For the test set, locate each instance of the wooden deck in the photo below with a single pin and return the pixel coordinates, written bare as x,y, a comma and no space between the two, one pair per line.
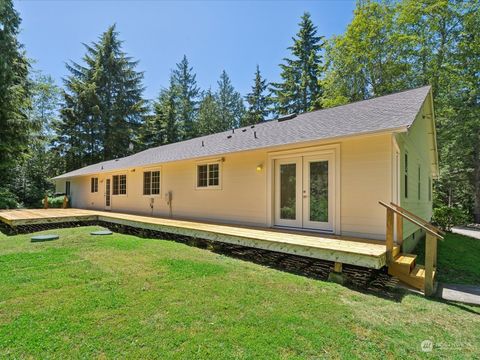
354,251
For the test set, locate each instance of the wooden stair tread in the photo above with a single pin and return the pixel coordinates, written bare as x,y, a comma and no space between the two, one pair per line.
405,259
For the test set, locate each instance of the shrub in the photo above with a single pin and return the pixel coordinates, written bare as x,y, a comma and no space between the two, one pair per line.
7,199
56,201
447,216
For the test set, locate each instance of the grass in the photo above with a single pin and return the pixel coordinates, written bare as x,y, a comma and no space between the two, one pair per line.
458,259
121,296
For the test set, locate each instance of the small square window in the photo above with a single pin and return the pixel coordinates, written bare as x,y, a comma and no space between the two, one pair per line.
208,175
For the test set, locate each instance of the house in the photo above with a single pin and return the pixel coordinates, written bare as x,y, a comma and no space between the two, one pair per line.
323,171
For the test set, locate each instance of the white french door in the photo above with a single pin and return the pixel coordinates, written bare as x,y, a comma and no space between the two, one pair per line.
304,190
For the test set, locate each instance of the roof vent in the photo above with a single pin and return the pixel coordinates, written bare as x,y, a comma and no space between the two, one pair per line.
244,130
203,144
287,117
252,126
229,136
255,135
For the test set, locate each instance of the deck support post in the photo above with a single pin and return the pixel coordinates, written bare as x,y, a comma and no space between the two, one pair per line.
399,230
389,236
430,261
337,275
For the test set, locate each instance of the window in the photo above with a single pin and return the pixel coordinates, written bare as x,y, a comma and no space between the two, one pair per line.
406,176
94,185
429,189
151,183
67,188
119,185
208,175
419,184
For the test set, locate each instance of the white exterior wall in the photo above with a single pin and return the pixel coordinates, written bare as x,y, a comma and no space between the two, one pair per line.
365,178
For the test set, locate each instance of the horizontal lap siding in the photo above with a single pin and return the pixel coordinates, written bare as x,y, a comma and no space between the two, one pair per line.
365,179
417,144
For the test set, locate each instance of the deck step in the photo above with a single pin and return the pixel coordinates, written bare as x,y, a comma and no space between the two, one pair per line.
415,279
403,263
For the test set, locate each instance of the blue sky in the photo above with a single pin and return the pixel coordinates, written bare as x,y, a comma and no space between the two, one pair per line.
214,35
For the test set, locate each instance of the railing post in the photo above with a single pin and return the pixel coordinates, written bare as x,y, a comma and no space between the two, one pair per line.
430,262
45,202
399,230
389,237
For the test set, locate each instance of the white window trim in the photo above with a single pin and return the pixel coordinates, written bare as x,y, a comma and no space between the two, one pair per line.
220,175
159,195
126,185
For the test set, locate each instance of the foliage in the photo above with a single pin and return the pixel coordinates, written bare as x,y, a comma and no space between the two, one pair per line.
230,104
446,217
55,201
258,101
103,106
209,120
15,126
33,175
368,59
391,46
187,98
8,200
300,89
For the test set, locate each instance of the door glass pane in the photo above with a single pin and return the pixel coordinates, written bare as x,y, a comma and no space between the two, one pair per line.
319,191
288,189
107,192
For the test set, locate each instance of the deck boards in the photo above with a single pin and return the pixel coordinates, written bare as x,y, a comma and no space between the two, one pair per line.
362,252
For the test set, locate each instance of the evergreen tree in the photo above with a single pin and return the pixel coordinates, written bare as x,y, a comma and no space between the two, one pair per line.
209,118
300,89
166,114
230,104
15,127
187,98
258,101
103,107
32,178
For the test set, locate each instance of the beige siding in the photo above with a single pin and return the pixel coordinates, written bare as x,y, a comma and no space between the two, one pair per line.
365,179
365,171
417,144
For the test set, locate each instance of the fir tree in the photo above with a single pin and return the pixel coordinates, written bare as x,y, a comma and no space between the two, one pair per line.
187,98
103,107
15,127
230,103
258,101
300,89
209,120
166,114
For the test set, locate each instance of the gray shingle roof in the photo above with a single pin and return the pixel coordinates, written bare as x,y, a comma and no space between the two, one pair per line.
383,113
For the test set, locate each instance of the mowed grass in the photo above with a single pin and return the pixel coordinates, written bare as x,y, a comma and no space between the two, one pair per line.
121,296
458,259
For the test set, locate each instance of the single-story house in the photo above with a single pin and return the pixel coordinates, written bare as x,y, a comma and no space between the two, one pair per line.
323,171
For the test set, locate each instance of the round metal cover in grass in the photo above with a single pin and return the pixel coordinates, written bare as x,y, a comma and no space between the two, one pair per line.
101,232
44,237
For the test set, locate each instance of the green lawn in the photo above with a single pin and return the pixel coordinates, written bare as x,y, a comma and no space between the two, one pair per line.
458,259
125,297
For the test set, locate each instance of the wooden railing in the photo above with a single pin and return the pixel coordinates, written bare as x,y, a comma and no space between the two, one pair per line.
432,236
